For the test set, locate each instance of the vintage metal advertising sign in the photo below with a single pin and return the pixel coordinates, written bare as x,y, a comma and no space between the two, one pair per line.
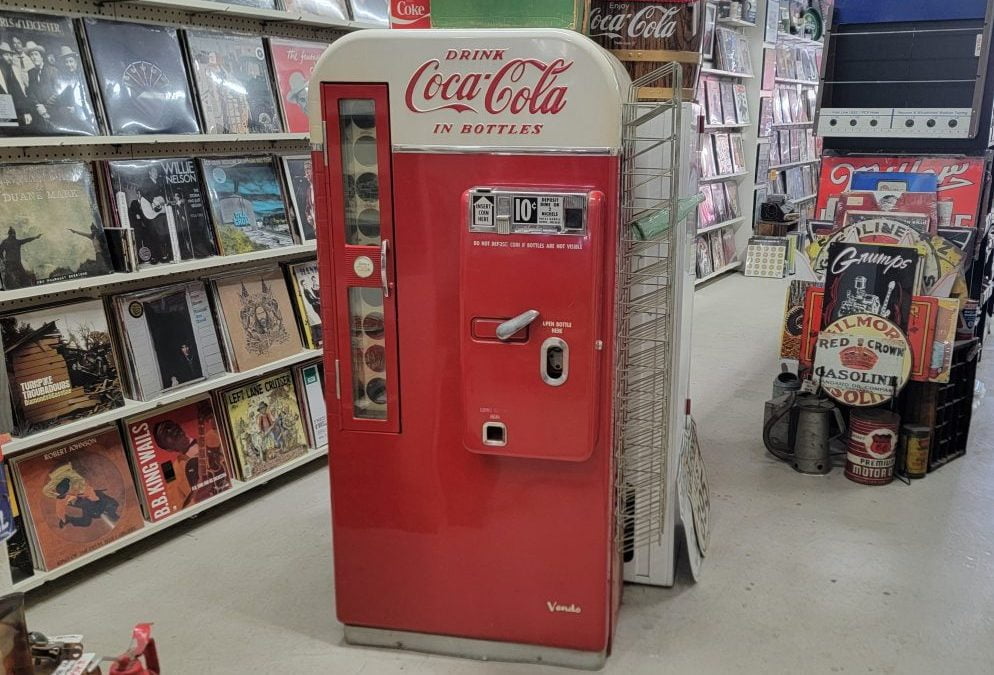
865,367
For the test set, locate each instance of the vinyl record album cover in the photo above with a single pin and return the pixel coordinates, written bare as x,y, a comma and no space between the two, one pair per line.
293,61
179,457
728,110
78,496
712,88
43,89
169,338
258,317
306,284
330,9
60,364
723,155
163,202
299,181
142,78
50,224
264,423
376,12
247,204
311,384
876,279
233,85
738,152
741,103
705,265
18,549
793,320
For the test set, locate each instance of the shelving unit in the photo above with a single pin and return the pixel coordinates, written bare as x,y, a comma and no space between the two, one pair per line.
726,73
201,14
237,488
717,226
730,267
727,176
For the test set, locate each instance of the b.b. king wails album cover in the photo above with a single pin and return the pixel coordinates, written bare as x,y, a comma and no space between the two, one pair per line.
233,85
264,423
169,337
306,284
60,365
299,180
293,62
163,202
142,78
78,496
876,279
247,203
258,317
50,225
43,89
179,457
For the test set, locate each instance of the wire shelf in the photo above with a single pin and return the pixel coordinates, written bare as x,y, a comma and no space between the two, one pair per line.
651,209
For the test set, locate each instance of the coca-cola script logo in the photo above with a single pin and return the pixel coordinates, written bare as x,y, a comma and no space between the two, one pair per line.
652,21
518,86
410,13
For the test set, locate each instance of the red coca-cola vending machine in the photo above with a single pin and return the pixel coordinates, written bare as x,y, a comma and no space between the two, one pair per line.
467,186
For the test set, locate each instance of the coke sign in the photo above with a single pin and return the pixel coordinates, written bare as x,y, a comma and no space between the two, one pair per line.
651,21
410,13
517,86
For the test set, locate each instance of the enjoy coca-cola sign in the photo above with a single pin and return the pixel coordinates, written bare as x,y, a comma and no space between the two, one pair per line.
486,81
651,21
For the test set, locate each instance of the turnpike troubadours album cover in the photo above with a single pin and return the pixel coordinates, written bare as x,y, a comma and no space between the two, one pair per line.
142,78
60,365
264,423
246,200
50,226
293,61
43,89
233,84
258,318
78,495
179,457
163,203
169,337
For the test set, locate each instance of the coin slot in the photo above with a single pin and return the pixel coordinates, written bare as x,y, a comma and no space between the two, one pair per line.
494,434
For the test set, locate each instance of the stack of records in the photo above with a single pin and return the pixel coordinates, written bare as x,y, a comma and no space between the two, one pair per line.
300,184
179,457
60,365
77,496
263,423
169,338
51,225
247,205
43,89
142,77
233,83
306,285
309,378
293,63
160,203
256,318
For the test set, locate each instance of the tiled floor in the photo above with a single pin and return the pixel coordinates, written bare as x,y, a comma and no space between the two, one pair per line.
805,575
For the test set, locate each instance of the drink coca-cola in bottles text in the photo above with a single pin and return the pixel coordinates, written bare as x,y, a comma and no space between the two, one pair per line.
410,13
635,29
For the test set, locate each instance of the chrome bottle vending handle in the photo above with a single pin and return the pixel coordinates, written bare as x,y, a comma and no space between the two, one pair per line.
508,328
384,247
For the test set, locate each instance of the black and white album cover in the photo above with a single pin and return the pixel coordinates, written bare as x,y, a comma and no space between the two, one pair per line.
874,279
299,180
142,78
43,89
161,200
234,88
169,337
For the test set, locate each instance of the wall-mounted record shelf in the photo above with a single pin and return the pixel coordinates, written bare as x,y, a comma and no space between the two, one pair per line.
87,148
727,176
267,15
788,80
726,73
790,165
120,282
730,267
237,488
717,226
19,445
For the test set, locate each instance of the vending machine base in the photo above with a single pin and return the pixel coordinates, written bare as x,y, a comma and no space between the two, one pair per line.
481,650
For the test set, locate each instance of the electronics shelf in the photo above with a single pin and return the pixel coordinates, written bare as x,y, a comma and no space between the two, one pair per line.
730,267
718,226
727,176
121,281
237,488
20,445
789,165
726,73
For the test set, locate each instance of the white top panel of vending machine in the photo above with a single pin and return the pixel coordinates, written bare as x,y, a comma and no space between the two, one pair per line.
518,90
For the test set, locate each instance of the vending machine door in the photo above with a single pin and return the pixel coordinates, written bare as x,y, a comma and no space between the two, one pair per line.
365,295
531,266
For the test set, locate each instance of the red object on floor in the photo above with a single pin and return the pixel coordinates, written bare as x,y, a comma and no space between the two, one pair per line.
142,645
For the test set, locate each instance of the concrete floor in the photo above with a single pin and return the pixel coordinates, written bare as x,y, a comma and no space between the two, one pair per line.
804,575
